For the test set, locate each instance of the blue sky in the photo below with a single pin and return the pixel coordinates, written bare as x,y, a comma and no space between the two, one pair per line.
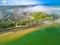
28,2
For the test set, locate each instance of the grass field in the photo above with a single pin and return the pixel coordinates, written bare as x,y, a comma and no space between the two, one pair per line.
44,36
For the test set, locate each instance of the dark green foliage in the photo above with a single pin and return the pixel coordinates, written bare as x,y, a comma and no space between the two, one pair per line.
5,25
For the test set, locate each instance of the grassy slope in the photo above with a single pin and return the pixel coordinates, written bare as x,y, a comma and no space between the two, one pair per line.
45,36
8,36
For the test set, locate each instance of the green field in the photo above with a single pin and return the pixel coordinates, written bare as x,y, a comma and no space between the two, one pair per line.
45,36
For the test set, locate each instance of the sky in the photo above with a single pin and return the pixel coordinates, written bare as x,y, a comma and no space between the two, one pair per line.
28,2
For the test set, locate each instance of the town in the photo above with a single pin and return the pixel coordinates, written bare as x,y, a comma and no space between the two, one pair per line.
16,18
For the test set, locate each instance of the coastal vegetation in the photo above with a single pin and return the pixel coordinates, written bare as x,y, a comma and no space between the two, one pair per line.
29,18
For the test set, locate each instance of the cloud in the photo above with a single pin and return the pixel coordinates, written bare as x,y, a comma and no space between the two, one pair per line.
20,2
26,2
4,2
